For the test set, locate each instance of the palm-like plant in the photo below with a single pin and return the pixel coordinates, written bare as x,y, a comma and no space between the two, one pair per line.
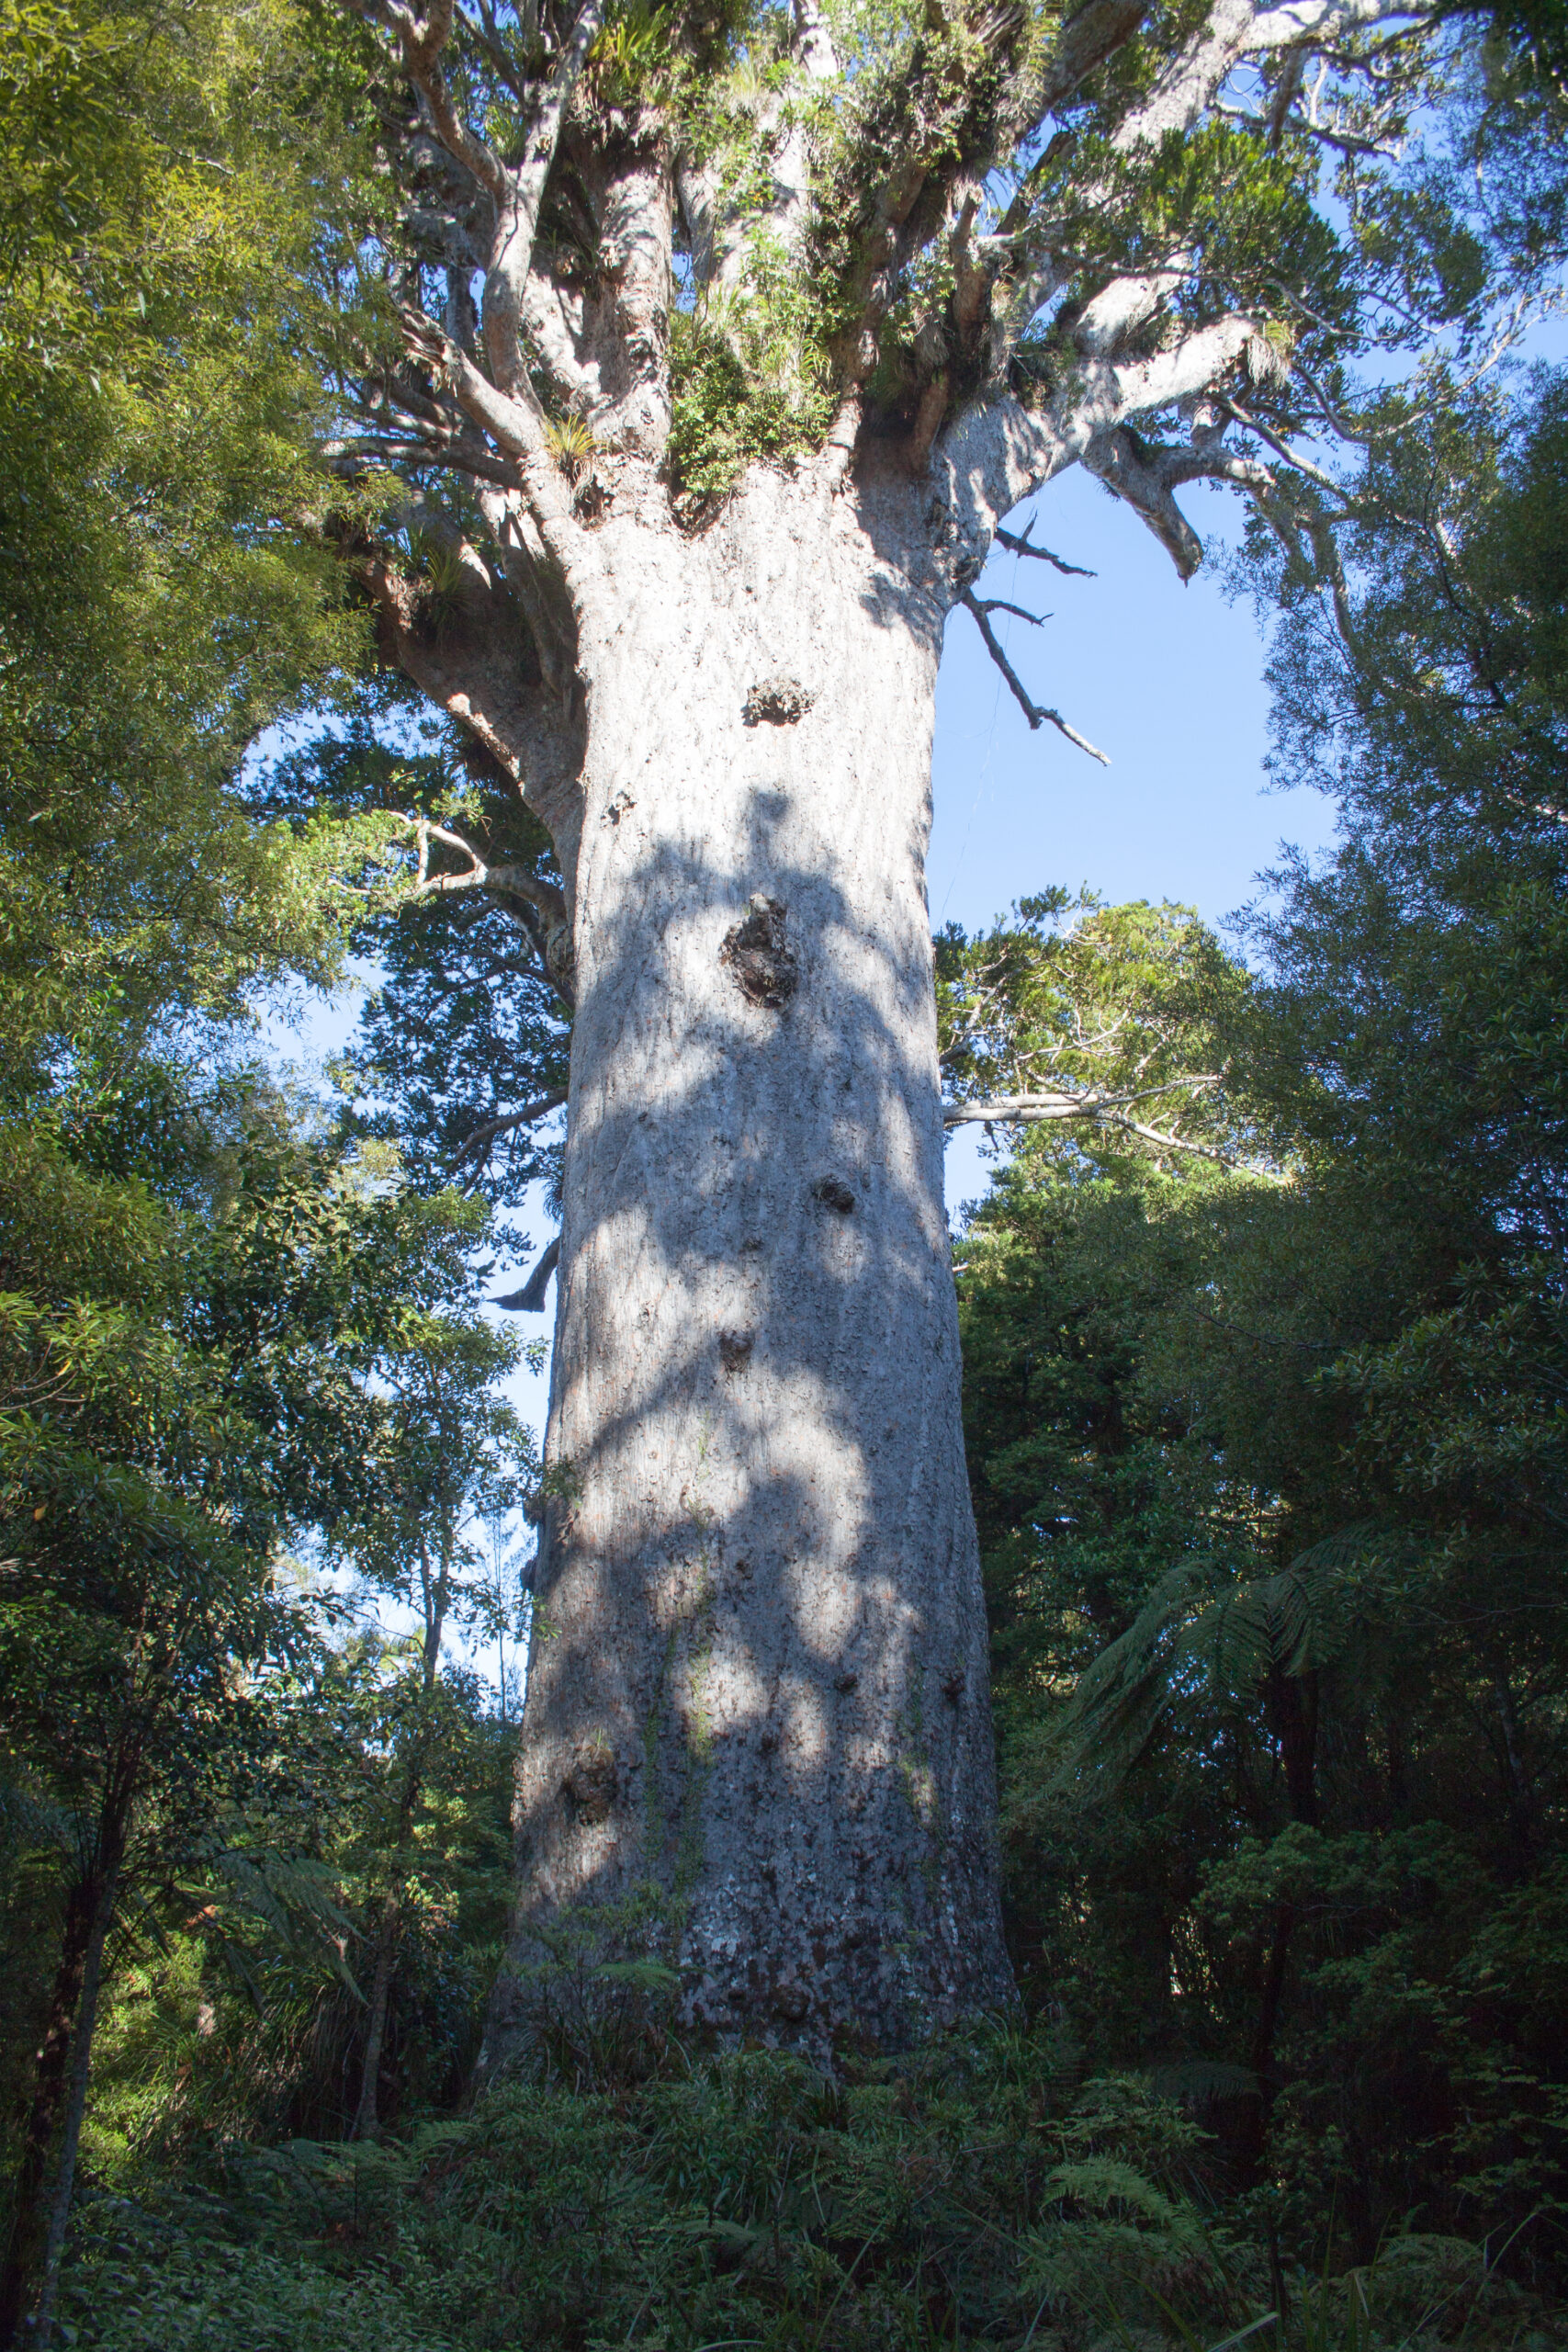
1208,1627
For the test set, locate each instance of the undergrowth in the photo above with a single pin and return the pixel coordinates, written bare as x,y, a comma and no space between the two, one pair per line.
980,2192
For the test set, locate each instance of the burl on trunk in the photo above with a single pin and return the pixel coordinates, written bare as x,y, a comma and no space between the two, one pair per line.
757,1698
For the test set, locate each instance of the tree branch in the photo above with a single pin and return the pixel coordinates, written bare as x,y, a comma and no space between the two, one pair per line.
1001,604
422,44
1120,463
993,457
478,1144
1037,713
530,1299
1089,37
500,882
1317,23
1147,476
517,206
347,459
1019,543
1105,1111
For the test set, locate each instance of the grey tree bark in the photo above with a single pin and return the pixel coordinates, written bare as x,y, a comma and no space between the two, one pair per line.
757,1711
756,1727
759,1676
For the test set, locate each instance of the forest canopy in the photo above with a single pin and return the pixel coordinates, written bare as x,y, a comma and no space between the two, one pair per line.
343,364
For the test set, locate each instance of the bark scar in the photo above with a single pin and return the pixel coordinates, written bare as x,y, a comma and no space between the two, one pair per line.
756,950
590,1781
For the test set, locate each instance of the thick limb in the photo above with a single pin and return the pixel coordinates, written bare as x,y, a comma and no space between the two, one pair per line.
530,1299
991,460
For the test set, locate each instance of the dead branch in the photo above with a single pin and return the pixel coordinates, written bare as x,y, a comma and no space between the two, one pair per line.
1036,713
530,1299
1020,543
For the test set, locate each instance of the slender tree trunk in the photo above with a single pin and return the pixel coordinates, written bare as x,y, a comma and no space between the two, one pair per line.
1292,1702
76,2104
1517,1778
758,1688
30,2222
367,2122
1293,1708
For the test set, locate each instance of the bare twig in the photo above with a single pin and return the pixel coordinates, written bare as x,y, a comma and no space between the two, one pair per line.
1034,712
1001,604
1020,543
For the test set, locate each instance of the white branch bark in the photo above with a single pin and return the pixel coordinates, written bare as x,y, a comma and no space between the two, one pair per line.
992,458
1320,23
517,208
1050,1110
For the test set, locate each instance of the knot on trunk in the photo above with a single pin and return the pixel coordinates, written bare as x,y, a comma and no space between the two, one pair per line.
833,1194
779,700
590,1783
759,954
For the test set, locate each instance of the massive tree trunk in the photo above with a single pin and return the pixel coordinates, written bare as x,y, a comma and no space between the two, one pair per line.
757,1716
757,1686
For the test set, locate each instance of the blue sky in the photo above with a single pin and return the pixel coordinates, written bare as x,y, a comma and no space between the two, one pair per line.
1166,679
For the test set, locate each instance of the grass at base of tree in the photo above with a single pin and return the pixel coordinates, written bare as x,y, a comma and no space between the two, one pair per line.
980,2192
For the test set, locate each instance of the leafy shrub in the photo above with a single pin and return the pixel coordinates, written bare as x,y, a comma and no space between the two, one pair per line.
742,2200
140,2288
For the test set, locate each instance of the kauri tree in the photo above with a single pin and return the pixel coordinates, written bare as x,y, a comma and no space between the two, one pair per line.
707,350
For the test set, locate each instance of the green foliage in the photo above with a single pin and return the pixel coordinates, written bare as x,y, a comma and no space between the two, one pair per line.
467,1024
1270,1478
145,2293
986,2192
747,2198
222,1341
1131,1012
630,57
1264,1336
157,604
747,378
229,2031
